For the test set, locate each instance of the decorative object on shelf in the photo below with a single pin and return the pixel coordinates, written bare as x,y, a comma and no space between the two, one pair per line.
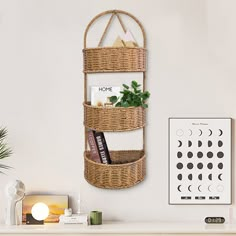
15,192
56,204
126,41
215,220
68,212
200,161
5,151
128,167
131,96
95,217
39,213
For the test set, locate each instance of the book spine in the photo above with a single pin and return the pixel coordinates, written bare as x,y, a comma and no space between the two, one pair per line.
94,152
102,147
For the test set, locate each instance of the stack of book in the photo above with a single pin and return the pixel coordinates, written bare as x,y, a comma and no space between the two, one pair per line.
98,147
74,219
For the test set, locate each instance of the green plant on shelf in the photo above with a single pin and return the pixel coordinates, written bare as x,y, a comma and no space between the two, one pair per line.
5,151
131,96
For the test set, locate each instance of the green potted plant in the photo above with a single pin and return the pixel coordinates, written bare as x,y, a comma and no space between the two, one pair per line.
131,96
5,151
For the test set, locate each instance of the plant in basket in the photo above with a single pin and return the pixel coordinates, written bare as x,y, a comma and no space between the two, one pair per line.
5,151
131,96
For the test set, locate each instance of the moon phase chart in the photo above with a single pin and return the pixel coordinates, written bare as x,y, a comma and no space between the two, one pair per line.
200,161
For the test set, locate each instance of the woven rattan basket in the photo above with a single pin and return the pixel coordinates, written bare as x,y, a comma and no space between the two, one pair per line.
128,167
114,59
127,170
113,118
110,59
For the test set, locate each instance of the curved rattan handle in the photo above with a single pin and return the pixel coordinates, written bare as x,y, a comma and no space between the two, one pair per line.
114,12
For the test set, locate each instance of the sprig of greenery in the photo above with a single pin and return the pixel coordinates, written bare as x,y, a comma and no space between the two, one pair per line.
131,96
5,151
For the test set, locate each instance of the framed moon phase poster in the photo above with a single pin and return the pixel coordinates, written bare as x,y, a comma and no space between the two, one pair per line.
200,161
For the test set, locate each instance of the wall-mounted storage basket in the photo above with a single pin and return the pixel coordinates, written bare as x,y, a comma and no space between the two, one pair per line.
109,59
114,59
129,170
113,118
128,167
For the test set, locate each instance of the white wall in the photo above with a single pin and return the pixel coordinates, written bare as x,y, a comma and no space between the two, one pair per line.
191,72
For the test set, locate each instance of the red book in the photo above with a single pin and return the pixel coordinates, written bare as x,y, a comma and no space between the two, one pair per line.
94,152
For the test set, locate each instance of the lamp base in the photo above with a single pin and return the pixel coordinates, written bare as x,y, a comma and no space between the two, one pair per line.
31,221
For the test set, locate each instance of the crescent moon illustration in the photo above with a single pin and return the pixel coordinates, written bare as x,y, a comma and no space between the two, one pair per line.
200,176
210,132
190,176
220,177
199,143
210,176
190,132
199,188
209,143
189,188
180,143
189,143
200,132
209,188
179,188
221,132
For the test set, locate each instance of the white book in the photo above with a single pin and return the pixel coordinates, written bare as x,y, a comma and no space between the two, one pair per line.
74,219
100,95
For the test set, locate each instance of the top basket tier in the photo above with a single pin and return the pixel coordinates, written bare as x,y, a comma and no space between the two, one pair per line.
114,59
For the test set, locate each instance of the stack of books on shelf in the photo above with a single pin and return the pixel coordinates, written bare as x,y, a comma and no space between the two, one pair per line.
81,218
98,147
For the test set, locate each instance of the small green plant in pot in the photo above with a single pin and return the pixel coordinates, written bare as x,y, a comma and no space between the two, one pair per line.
5,151
131,96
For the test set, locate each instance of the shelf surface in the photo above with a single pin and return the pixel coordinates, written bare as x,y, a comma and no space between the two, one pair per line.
121,228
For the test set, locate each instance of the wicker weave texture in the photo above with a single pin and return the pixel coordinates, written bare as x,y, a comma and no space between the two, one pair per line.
110,59
129,170
113,118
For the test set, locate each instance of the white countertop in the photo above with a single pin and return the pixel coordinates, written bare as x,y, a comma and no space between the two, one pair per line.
120,227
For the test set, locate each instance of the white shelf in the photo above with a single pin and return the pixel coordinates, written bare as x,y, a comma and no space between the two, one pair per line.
122,228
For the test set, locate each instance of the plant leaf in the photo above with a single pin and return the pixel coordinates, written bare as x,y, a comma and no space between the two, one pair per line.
125,86
113,99
145,105
3,134
118,104
5,167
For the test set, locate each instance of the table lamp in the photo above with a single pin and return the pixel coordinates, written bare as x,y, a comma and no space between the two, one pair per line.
39,213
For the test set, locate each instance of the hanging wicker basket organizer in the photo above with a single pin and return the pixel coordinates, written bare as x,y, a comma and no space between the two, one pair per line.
114,59
128,168
113,118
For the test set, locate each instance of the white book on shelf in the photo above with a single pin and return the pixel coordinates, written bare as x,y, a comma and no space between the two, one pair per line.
100,95
81,218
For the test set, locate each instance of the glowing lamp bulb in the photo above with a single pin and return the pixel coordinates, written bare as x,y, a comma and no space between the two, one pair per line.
40,211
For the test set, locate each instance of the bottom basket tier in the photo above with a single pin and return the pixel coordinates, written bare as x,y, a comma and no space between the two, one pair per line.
128,168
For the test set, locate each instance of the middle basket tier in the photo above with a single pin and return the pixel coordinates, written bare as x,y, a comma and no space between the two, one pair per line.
113,118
